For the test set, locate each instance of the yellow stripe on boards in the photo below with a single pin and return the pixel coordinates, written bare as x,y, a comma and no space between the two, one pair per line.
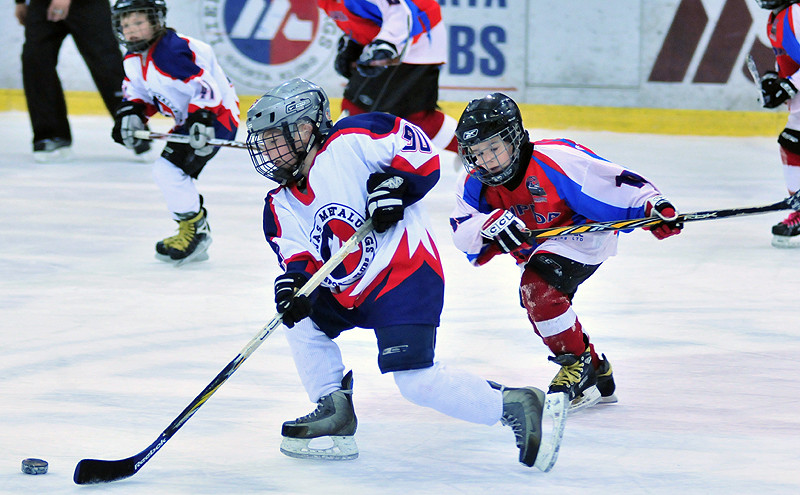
556,117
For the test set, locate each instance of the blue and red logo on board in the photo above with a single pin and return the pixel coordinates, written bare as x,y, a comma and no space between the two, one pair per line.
261,43
333,225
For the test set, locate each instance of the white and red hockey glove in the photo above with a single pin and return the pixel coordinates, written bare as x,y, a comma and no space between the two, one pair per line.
659,206
504,228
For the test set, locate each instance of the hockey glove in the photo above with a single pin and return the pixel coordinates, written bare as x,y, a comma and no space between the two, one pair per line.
385,200
506,229
659,206
347,52
128,118
376,57
293,308
201,131
776,90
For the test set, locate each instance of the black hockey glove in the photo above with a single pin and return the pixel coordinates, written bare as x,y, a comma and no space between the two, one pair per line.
385,200
376,57
128,118
201,131
506,229
776,90
347,52
293,308
659,206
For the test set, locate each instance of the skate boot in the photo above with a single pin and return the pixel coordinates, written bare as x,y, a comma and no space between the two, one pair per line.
786,234
605,382
334,418
577,379
52,150
523,411
190,243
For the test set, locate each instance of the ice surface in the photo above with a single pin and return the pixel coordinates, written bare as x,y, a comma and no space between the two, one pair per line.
103,346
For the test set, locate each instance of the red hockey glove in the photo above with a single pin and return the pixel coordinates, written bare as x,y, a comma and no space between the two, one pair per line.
659,206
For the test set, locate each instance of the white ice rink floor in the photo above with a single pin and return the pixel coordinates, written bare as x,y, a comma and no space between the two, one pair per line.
103,346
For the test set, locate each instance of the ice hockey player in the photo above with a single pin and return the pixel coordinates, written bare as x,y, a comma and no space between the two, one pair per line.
407,35
332,179
513,185
778,88
179,77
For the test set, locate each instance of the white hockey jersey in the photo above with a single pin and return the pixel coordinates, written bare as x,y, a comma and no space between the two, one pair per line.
306,228
179,75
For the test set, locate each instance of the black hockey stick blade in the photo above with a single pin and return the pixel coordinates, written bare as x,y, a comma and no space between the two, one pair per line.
790,203
90,471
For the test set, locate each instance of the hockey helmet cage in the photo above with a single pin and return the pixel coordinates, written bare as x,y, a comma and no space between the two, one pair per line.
156,11
494,115
284,107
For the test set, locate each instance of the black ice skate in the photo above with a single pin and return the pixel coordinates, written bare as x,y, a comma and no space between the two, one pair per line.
190,243
333,418
523,411
605,382
786,234
577,379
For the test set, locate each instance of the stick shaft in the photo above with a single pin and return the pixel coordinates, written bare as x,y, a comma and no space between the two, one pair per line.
182,138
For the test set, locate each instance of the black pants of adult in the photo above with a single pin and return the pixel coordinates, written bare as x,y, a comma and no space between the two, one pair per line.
89,24
400,90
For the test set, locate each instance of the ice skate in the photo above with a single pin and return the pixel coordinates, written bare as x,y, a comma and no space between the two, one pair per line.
52,150
786,234
605,382
524,410
190,243
576,378
333,420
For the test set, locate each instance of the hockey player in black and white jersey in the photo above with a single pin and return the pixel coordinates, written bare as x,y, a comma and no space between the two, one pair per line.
332,179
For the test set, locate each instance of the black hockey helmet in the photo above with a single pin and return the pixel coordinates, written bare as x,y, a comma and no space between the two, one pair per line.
484,119
775,4
284,107
156,11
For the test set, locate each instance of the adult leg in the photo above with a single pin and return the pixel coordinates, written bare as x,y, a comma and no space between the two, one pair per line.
43,92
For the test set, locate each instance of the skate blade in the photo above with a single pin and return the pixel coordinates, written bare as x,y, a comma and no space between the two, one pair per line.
610,399
785,241
590,397
344,448
199,254
555,408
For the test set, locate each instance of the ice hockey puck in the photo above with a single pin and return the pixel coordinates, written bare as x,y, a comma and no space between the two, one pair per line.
34,466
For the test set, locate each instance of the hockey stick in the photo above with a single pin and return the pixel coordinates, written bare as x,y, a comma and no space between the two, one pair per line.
751,66
182,138
90,471
790,203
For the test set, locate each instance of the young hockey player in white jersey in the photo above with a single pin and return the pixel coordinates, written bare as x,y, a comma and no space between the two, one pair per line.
179,77
333,178
513,185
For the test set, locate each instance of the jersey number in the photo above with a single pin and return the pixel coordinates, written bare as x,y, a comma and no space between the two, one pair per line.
416,140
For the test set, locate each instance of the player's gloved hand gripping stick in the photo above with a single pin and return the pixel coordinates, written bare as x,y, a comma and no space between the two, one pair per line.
90,471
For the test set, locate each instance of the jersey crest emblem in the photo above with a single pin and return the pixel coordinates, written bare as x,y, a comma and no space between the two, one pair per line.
333,225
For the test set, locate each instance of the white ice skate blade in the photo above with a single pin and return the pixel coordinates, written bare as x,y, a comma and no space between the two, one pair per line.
590,397
199,254
785,241
63,154
555,407
611,399
341,448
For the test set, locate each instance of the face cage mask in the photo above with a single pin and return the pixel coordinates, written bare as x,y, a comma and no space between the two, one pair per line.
156,20
472,162
292,159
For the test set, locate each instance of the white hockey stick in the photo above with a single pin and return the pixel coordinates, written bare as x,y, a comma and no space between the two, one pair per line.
182,138
90,471
751,66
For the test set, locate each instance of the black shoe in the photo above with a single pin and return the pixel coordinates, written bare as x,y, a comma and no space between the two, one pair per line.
50,150
605,381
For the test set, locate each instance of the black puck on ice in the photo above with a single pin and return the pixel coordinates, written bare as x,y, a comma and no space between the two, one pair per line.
34,466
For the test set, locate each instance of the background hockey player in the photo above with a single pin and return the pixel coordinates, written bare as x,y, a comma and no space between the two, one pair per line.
513,185
391,53
333,178
778,88
179,77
